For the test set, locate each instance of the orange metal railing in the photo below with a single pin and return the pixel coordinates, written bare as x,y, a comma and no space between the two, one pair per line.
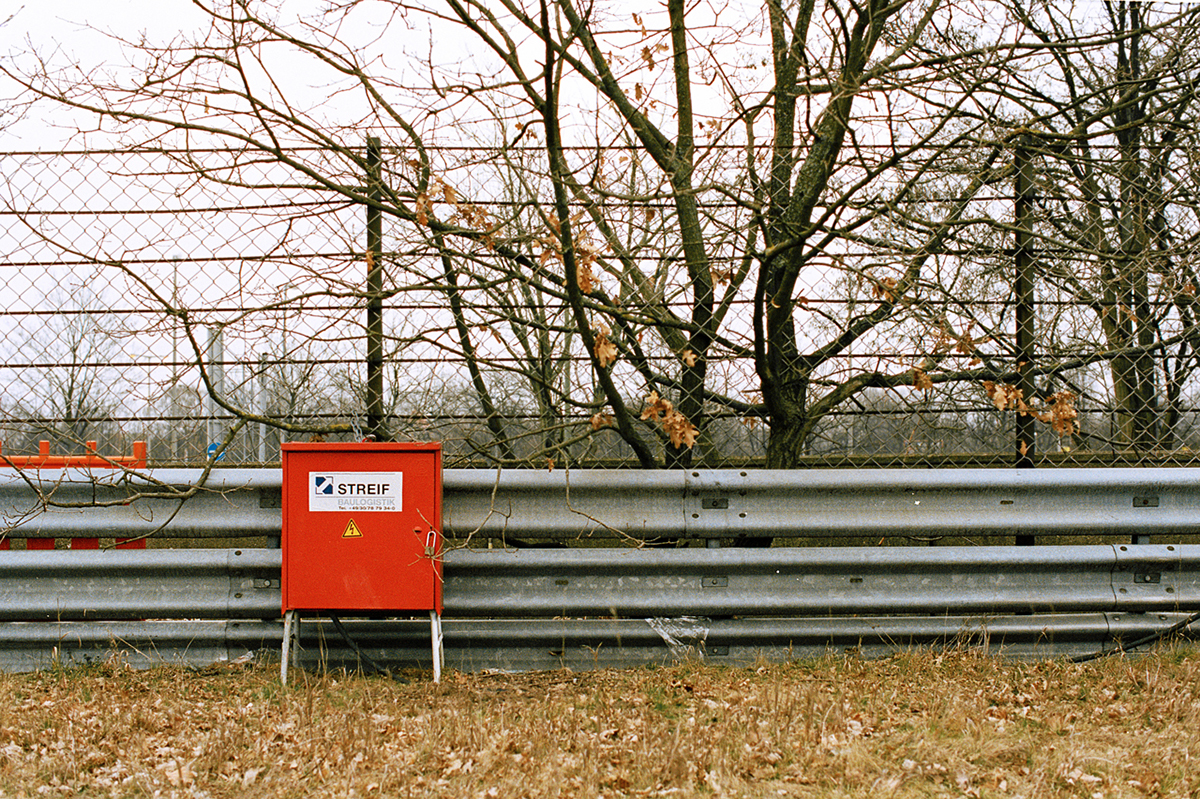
90,459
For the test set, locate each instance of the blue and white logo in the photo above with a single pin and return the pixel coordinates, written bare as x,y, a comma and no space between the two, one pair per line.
356,492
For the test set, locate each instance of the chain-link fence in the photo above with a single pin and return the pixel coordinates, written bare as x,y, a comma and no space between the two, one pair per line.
193,298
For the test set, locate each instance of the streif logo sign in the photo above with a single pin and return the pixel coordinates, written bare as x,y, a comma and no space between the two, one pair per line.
369,492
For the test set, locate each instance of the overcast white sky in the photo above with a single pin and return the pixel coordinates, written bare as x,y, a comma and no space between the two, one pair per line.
67,23
70,31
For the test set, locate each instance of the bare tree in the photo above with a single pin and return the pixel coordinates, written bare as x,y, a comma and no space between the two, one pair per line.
739,216
1109,124
65,391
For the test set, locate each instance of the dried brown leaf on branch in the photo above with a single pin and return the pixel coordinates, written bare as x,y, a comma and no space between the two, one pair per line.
677,426
681,431
885,289
967,344
423,208
586,254
605,350
943,338
477,218
587,280
921,380
602,419
1004,396
656,406
1059,412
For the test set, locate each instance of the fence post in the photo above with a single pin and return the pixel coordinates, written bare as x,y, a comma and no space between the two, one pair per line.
1024,298
216,379
374,396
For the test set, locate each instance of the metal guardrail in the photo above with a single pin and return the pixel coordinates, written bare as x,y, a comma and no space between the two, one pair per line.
540,644
62,585
643,505
624,583
540,608
621,607
833,581
70,503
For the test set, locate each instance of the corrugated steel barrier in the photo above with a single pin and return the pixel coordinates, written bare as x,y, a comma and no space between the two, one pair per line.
643,505
583,608
580,607
522,645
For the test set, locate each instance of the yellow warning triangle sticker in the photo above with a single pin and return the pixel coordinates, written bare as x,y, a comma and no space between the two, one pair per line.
352,531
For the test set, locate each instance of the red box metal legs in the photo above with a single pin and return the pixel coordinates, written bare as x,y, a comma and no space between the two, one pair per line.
362,531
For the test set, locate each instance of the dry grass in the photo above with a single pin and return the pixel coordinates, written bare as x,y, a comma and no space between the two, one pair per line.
921,724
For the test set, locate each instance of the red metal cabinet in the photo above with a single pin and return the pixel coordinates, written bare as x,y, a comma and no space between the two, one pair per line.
362,527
